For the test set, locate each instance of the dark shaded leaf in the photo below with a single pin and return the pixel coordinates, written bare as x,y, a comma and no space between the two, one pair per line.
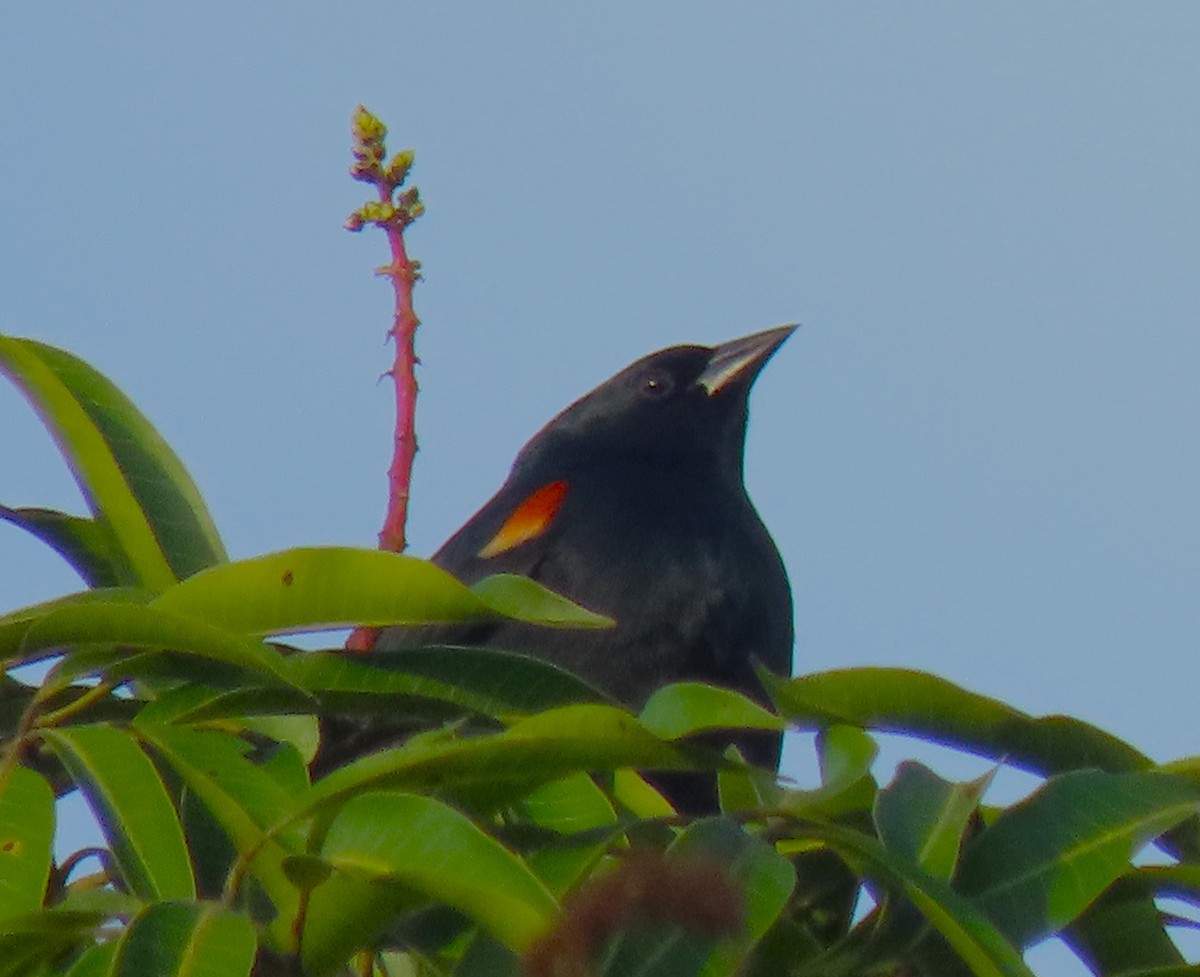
173,939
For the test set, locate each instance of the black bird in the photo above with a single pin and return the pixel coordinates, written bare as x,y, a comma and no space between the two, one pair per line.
631,503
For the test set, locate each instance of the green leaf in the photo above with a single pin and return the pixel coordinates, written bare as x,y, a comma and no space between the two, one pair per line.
1043,861
345,914
28,943
133,808
569,806
95,961
1122,932
846,754
685,708
243,800
526,600
923,818
896,700
965,928
86,544
140,626
746,789
186,940
544,747
318,588
482,680
433,849
26,841
129,476
16,624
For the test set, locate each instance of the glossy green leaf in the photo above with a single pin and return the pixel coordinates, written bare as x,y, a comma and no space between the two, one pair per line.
318,588
685,708
430,847
87,544
26,841
133,808
186,940
896,700
314,588
140,626
1043,861
526,600
923,818
128,474
569,806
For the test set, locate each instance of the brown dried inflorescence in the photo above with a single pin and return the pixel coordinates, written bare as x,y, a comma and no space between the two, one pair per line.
645,888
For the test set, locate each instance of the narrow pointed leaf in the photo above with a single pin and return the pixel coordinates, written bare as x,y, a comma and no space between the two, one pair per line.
526,600
26,840
1042,862
897,700
87,544
128,474
186,940
133,808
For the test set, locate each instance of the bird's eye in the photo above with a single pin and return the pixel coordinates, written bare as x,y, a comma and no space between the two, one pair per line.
656,384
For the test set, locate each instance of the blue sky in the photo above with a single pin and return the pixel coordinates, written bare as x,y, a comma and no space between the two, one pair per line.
978,455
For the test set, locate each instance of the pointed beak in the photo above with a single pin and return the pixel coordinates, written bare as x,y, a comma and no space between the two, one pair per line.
737,362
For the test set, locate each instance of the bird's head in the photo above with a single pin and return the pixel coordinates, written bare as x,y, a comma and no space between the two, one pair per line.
685,404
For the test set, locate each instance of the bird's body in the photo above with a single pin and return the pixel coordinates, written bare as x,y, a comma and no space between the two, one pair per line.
680,561
631,503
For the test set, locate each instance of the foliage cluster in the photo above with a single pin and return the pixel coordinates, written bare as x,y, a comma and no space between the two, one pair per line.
512,832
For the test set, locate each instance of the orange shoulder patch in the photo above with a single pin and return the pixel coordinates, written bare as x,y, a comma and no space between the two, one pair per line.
528,521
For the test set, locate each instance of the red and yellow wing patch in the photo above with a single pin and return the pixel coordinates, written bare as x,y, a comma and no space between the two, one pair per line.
528,521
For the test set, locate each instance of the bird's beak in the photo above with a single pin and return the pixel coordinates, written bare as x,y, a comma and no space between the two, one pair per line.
738,361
